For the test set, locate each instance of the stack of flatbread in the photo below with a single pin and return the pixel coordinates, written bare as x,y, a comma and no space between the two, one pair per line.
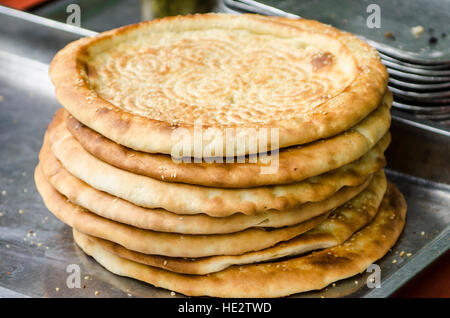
230,156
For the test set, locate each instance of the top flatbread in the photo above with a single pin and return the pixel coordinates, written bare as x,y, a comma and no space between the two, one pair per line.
136,84
274,279
294,164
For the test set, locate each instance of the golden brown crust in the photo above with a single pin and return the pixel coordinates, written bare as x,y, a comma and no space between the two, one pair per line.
122,211
191,199
338,227
161,243
70,74
299,274
295,164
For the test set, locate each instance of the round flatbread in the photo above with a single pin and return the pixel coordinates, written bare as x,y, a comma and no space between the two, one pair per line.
161,243
338,227
275,279
122,211
228,75
294,164
192,199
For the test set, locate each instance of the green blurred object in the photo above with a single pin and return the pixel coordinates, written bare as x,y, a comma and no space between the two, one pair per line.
153,9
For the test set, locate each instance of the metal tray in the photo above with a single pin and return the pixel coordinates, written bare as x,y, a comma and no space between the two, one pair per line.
36,248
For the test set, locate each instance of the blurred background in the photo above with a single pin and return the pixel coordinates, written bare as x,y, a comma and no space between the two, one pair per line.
102,15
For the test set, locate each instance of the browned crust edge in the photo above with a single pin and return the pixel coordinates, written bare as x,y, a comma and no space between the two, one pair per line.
68,73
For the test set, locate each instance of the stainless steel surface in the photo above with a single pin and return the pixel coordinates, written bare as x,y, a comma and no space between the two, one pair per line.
438,110
410,57
427,126
36,38
101,15
416,69
397,17
96,15
36,248
421,87
425,67
434,97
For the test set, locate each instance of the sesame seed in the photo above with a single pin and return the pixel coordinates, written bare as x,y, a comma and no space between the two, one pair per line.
96,293
402,253
394,261
57,289
408,254
172,293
